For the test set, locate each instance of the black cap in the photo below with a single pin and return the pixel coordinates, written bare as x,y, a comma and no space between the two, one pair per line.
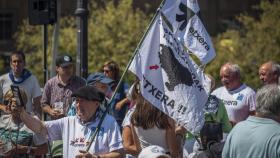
63,60
89,93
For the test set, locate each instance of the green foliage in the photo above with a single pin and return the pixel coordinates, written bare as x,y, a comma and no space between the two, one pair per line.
113,34
1,64
29,39
258,41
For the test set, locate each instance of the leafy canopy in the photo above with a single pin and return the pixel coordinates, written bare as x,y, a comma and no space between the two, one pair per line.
114,31
256,42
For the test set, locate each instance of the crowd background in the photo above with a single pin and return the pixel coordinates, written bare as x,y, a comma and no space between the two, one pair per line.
72,108
240,65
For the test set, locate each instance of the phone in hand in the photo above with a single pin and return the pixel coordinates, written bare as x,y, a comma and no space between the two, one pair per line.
17,95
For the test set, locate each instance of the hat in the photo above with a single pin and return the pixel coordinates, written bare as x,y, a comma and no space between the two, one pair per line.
89,93
153,151
63,60
99,77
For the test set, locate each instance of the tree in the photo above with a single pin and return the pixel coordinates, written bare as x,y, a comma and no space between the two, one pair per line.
257,41
114,31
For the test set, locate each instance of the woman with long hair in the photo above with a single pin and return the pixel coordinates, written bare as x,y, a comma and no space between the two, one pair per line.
111,69
149,126
120,102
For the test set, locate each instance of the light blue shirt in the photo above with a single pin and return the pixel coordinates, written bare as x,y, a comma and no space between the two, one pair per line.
253,138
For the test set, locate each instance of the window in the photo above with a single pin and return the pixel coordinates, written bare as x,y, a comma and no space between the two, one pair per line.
6,26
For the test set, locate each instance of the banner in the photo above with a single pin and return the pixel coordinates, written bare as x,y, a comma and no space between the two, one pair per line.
185,22
168,78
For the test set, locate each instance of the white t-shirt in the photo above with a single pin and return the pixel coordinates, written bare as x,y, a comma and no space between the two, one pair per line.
238,103
76,136
30,85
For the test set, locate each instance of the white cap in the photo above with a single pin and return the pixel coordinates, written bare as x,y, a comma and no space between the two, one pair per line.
153,151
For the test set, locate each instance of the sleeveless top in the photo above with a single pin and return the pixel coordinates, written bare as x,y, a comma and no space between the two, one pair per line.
152,136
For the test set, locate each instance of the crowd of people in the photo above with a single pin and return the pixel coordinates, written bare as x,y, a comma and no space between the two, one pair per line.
64,120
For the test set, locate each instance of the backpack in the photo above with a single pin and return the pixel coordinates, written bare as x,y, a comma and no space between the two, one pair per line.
211,136
214,151
211,132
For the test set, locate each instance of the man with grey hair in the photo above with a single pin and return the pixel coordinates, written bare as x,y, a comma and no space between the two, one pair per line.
259,135
239,99
269,73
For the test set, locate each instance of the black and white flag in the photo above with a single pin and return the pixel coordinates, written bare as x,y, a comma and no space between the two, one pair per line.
168,78
185,22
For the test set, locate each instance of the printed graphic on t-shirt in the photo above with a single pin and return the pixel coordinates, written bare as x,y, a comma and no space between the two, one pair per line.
79,142
85,141
240,97
230,102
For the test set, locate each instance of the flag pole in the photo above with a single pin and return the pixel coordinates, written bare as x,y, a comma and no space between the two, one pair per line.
136,50
124,73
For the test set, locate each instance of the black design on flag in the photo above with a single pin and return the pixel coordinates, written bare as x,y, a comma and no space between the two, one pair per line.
168,78
176,73
186,16
187,26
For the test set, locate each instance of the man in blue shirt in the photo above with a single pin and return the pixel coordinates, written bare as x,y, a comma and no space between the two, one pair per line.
259,135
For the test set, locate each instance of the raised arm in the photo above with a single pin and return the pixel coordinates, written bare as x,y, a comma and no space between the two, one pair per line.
32,123
37,106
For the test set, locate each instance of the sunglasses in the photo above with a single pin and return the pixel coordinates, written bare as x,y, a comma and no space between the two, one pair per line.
106,71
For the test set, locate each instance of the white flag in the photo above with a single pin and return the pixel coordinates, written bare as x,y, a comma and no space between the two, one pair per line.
205,80
184,18
168,79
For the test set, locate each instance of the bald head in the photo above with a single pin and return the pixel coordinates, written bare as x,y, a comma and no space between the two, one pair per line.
230,76
269,73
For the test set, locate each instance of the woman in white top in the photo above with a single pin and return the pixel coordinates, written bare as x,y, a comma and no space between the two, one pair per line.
150,126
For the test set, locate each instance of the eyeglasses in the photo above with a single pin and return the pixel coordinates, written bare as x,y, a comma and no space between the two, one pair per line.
106,71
